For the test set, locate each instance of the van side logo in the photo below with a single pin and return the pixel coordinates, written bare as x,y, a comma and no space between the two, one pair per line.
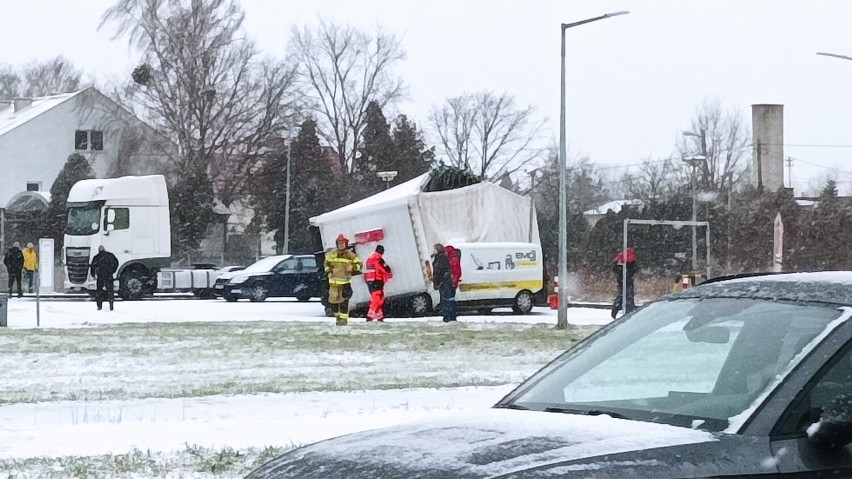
531,256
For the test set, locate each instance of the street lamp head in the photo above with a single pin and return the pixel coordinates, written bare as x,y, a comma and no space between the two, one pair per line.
690,133
615,14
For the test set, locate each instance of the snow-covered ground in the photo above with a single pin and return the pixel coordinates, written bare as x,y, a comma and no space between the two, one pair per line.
128,415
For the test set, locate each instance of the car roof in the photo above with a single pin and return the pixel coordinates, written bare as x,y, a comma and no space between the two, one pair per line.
832,287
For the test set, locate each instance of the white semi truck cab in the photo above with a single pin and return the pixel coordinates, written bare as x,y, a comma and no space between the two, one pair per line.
129,217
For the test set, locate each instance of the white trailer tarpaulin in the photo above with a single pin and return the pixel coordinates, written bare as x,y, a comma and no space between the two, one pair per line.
479,213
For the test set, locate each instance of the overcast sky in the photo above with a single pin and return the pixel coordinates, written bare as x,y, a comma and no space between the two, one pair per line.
634,81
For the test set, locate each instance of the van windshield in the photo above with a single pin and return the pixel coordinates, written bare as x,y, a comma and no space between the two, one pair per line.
84,219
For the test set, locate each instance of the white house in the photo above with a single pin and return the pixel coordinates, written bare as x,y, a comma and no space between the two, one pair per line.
38,134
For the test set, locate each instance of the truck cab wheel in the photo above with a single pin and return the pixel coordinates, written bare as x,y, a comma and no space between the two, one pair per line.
420,305
523,303
133,283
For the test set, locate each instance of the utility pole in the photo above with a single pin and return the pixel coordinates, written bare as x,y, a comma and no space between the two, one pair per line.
790,171
759,169
532,203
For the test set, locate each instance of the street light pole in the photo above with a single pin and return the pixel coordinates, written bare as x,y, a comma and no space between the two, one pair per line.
694,162
287,199
532,203
562,259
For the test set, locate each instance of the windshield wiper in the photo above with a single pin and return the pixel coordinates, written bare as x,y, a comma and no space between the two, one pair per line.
586,412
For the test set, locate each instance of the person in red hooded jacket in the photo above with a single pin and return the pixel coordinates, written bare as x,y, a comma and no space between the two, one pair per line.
454,256
377,273
624,259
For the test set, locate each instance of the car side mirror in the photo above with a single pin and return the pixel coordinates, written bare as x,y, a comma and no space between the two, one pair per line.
834,430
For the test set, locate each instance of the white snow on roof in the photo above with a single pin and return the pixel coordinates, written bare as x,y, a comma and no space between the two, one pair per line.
11,119
615,206
398,195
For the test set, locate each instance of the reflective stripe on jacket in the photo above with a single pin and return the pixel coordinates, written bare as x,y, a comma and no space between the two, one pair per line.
377,269
340,265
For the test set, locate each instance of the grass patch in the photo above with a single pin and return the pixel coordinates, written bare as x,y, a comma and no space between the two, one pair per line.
168,360
193,461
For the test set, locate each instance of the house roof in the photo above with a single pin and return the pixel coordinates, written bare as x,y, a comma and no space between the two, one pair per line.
11,119
615,206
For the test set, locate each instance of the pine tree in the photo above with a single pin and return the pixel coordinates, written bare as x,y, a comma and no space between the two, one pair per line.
191,208
315,189
76,168
375,154
411,157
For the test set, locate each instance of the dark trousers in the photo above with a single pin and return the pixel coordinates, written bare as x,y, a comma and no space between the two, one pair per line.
104,291
13,277
449,308
631,304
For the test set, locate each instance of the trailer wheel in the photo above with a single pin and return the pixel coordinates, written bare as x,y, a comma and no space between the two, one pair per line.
523,303
304,298
257,293
133,282
420,305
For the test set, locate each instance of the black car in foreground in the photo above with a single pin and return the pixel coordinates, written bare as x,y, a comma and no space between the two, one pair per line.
279,276
748,377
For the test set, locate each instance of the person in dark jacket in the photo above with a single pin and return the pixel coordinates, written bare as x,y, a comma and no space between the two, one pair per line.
442,280
376,275
14,261
104,266
624,259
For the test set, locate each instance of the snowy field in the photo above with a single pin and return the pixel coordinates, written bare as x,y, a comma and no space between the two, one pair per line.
192,388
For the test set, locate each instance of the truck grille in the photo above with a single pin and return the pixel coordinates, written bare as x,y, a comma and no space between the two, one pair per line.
77,264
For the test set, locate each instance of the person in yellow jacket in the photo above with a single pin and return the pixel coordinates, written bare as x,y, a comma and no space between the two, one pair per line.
340,265
30,265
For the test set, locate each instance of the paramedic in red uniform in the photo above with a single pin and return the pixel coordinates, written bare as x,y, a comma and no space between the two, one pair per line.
377,274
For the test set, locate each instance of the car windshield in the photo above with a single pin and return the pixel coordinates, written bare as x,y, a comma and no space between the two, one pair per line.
263,266
693,363
84,219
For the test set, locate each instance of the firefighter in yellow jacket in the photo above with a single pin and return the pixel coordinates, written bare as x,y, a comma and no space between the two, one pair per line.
340,265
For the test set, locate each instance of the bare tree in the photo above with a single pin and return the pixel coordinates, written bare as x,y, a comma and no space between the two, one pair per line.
655,180
727,140
487,133
344,69
203,82
51,77
9,82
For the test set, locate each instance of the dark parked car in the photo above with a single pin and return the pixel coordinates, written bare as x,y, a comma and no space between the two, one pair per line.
747,377
276,276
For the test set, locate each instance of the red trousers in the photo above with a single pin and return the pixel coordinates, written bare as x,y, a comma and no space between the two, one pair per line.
377,305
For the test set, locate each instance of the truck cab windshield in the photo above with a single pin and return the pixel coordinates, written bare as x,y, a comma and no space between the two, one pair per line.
84,218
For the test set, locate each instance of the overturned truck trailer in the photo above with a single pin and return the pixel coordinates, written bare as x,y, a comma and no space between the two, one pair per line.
438,207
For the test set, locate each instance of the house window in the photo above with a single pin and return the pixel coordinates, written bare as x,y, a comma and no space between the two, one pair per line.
89,140
33,186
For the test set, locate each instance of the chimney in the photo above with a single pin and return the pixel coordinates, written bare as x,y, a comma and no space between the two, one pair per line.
21,103
767,124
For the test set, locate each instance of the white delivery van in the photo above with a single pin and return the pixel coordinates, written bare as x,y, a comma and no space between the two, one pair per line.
498,275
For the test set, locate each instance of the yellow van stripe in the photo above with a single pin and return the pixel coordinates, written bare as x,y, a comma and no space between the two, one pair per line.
532,285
